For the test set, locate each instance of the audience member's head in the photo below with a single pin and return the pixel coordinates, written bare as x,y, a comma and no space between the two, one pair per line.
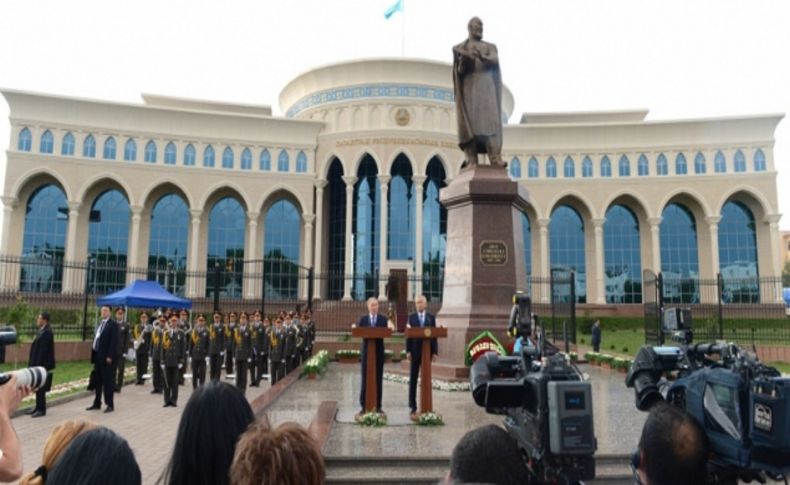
673,448
96,457
214,418
287,455
58,440
488,455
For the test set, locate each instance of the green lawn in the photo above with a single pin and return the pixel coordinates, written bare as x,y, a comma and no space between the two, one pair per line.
621,342
64,371
783,367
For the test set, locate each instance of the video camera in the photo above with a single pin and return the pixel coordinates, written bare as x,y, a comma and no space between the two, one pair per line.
548,406
742,404
33,377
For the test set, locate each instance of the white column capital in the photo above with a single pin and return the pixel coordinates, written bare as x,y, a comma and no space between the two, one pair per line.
137,210
384,179
773,218
713,221
74,206
598,223
543,223
349,180
418,180
196,213
320,183
10,202
308,218
252,217
655,221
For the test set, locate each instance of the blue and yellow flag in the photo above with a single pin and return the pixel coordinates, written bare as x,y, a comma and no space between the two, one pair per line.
397,7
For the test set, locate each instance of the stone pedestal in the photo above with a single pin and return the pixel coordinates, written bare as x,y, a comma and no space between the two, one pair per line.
484,262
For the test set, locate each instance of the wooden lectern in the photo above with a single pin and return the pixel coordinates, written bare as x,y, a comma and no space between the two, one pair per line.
369,336
426,383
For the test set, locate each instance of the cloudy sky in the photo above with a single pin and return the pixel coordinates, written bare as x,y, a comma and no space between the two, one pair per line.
678,58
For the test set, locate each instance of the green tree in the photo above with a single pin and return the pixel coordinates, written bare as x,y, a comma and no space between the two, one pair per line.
786,275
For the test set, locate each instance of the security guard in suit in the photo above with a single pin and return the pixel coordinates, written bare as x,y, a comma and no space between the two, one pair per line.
243,356
199,343
124,342
216,346
156,354
142,341
276,352
173,357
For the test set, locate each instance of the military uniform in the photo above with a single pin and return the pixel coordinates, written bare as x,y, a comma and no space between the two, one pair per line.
257,329
142,337
185,327
199,343
156,356
289,347
216,349
301,342
276,354
173,356
230,348
262,355
309,339
124,339
243,355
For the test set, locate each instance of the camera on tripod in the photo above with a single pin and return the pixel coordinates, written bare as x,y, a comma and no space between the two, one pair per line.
548,407
742,404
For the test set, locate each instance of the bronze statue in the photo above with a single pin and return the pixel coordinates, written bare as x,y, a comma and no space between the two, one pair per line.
478,96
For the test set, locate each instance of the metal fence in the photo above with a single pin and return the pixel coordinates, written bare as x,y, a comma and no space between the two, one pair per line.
563,307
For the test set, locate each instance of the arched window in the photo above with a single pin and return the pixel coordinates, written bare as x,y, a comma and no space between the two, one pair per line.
265,162
226,224
25,143
246,159
108,241
551,168
532,168
110,149
130,150
400,240
662,167
367,200
150,152
301,162
679,255
208,156
738,254
739,161
336,252
681,167
170,153
167,243
606,166
283,161
89,147
515,168
759,161
44,240
699,163
720,163
643,166
281,249
47,144
622,256
189,155
67,148
566,246
624,166
569,168
587,167
434,231
227,158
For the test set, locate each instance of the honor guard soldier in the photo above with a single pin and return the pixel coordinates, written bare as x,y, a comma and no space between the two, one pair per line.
173,357
216,347
257,330
142,346
289,347
309,326
185,326
243,341
199,343
301,342
262,343
230,343
156,353
276,352
124,342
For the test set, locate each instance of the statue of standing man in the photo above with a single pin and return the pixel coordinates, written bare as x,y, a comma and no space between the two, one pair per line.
478,96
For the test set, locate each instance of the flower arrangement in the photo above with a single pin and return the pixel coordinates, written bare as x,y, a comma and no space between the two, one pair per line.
316,365
388,354
347,355
430,419
372,419
574,357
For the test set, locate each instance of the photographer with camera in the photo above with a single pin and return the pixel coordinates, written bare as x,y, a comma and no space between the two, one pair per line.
10,447
42,353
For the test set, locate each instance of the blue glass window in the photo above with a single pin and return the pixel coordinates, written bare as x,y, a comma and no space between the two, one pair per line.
624,166
44,240
679,255
622,256
167,243
108,241
170,153
681,167
208,156
67,148
246,159
47,144
720,163
699,163
226,225
759,161
662,167
189,155
283,161
739,161
606,166
281,249
130,150
643,166
551,168
265,162
526,234
150,152
25,143
515,168
301,163
336,253
89,147
566,246
367,200
569,168
587,167
400,243
227,158
109,149
434,231
738,254
532,168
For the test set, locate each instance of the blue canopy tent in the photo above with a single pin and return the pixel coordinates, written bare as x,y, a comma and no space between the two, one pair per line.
786,295
144,294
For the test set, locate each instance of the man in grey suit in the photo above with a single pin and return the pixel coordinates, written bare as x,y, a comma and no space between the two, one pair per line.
419,319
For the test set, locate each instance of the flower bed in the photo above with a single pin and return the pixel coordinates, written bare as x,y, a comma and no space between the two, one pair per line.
316,365
347,356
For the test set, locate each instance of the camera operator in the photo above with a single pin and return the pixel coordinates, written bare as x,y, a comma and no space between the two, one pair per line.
10,447
487,455
673,449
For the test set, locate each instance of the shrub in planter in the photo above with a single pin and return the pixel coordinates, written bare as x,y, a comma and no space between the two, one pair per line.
316,365
347,356
574,357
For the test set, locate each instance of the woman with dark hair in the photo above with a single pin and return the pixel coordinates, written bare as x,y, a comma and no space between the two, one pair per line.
96,457
214,418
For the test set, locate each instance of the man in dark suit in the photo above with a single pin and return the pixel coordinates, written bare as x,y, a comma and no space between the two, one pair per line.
372,319
105,346
419,319
124,342
42,353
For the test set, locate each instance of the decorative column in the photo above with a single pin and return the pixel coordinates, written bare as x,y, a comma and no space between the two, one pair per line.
132,268
713,229
348,272
775,293
72,276
655,243
418,181
545,291
384,183
308,220
194,285
10,270
600,281
318,288
249,277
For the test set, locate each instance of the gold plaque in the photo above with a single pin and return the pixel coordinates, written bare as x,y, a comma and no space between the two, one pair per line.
427,332
402,117
493,253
